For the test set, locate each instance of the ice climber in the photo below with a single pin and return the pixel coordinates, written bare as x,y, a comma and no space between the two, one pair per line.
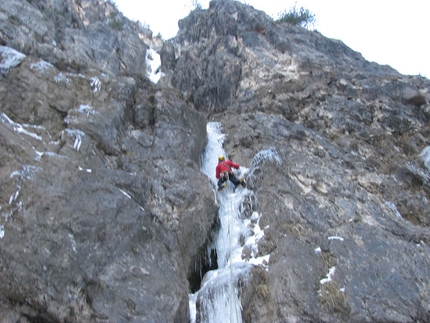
224,172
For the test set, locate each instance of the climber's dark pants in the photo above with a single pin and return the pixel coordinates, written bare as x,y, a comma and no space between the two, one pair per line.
231,177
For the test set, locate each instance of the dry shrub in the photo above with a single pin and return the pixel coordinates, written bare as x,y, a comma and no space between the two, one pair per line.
292,229
333,300
262,291
328,259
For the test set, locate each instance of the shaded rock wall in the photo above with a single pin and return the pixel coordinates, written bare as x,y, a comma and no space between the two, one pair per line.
99,222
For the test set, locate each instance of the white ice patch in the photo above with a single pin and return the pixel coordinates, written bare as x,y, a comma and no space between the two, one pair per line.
78,134
17,127
261,261
61,78
425,156
10,58
266,155
28,172
251,243
394,208
72,241
335,238
125,194
14,173
83,109
88,170
41,66
39,155
153,65
96,84
86,109
18,177
14,196
329,276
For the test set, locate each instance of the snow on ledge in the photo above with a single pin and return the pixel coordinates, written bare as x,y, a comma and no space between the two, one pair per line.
10,58
17,127
41,66
335,238
329,276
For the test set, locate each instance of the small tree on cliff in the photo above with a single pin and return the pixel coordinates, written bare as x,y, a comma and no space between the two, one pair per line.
301,17
196,4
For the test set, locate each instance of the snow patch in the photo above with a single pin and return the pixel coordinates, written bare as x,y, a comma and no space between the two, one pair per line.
153,65
39,155
335,238
394,208
41,66
10,58
96,84
61,78
14,196
425,156
86,109
1,231
329,276
28,172
125,194
266,155
83,109
17,127
78,134
14,173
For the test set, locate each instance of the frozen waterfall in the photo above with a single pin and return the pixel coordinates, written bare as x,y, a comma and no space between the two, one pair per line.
218,299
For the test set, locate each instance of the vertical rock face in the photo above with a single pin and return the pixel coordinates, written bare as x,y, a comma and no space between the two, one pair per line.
104,209
347,211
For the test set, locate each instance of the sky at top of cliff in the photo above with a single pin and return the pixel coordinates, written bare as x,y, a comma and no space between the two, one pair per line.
385,32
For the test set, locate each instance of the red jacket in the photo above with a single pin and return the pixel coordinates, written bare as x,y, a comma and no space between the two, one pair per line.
225,166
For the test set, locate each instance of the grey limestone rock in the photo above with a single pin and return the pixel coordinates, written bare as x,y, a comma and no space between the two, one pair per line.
106,215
